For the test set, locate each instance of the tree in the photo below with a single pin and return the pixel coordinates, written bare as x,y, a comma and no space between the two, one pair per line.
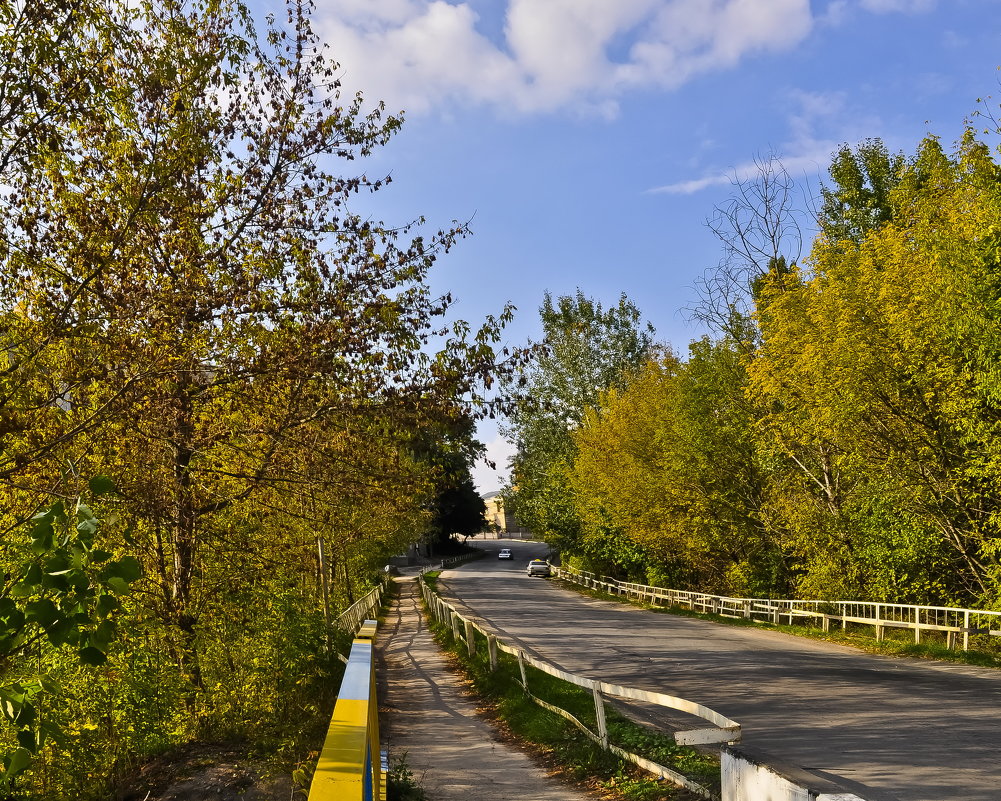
672,462
877,391
65,594
758,227
221,298
189,303
859,200
586,349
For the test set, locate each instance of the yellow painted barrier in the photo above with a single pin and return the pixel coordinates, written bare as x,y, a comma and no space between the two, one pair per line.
350,766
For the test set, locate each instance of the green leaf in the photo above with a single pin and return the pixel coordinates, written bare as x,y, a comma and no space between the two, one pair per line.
33,575
97,556
49,684
87,528
16,761
101,485
92,656
126,568
22,590
43,612
26,739
61,633
42,537
25,715
107,604
119,586
102,636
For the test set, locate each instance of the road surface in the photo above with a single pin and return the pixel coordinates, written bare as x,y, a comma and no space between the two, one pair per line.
888,729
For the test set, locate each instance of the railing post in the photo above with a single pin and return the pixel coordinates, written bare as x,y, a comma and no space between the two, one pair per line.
455,626
966,630
747,610
492,651
599,714
917,626
521,668
470,639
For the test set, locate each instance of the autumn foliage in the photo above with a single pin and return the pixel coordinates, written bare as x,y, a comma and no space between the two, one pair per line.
839,437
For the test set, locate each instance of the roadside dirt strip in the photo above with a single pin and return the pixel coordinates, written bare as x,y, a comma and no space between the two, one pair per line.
887,729
426,716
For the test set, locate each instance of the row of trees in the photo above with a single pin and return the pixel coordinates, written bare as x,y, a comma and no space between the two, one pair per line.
189,306
840,434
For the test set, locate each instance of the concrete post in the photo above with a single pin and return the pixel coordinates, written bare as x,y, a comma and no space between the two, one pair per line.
492,651
521,668
455,626
966,630
917,626
599,714
879,625
470,638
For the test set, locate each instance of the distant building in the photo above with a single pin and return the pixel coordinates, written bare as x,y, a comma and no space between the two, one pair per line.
500,519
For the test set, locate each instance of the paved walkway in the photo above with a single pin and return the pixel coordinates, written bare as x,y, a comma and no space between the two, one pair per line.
425,714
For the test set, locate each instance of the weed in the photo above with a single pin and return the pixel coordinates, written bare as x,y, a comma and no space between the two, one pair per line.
401,784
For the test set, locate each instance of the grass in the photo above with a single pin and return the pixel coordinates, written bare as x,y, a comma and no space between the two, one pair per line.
896,641
561,744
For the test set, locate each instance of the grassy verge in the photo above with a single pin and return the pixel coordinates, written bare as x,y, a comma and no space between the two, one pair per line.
560,743
897,642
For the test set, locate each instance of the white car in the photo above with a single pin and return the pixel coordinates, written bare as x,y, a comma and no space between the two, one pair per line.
505,553
539,567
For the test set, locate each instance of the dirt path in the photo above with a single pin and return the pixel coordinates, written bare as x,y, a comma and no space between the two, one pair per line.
425,714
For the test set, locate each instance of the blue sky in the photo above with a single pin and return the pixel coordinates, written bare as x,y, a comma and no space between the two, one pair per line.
589,140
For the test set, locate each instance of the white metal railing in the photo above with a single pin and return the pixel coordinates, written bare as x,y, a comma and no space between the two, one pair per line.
951,620
722,730
351,619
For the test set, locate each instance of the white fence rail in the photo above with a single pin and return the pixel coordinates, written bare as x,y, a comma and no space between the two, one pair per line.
953,621
723,730
351,619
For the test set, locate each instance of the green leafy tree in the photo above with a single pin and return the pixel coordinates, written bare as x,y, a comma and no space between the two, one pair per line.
672,461
586,349
875,390
189,302
859,198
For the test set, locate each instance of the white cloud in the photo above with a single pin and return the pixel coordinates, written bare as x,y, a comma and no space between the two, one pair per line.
418,54
892,6
818,124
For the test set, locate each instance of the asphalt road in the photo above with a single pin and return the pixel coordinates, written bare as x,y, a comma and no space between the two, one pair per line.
887,729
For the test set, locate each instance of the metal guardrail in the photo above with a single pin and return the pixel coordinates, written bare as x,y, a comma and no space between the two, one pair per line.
350,767
951,620
355,615
723,729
